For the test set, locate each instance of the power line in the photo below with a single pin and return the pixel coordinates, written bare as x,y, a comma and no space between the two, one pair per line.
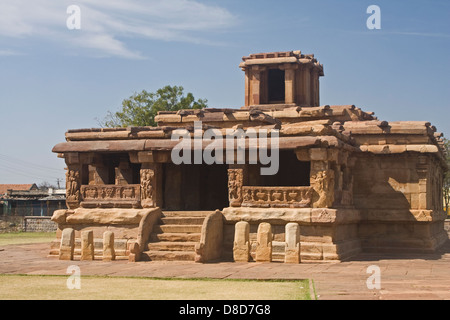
26,174
15,160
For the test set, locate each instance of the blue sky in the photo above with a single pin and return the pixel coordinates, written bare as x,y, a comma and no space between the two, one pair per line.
53,79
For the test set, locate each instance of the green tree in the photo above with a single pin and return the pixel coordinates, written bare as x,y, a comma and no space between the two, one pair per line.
141,108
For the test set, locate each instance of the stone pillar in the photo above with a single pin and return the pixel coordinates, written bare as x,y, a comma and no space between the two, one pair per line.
87,245
235,183
241,247
67,244
256,86
247,88
264,243
73,185
108,246
292,234
289,85
289,82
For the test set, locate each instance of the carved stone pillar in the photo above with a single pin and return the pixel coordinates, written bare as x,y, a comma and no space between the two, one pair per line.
264,243
241,244
322,181
235,183
151,185
73,185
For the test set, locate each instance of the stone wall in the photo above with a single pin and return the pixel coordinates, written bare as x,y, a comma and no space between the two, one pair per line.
38,224
394,194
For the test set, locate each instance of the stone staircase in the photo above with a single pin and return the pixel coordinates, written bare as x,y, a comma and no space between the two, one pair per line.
174,236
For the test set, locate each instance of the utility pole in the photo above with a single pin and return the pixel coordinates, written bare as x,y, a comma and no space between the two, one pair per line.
58,181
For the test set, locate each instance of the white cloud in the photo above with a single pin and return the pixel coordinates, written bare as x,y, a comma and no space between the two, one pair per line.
107,24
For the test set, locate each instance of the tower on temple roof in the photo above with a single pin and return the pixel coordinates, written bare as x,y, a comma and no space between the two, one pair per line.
282,78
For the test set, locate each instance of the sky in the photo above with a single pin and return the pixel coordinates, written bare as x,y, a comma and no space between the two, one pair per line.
56,74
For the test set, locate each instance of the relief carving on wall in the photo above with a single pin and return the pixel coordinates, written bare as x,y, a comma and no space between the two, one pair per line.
276,197
110,196
147,188
323,183
73,183
235,180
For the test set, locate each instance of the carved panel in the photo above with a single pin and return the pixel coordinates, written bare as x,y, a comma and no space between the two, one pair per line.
147,187
235,181
277,197
73,183
110,196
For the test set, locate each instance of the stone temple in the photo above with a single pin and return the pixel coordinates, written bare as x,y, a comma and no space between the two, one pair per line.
347,182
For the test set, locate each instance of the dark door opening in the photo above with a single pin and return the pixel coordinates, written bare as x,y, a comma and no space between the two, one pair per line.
276,86
195,187
291,172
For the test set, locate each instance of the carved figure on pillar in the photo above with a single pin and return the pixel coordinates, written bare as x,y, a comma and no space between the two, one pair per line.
73,184
324,187
147,177
235,178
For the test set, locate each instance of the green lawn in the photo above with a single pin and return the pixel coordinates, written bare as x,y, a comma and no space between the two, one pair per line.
26,237
23,287
37,287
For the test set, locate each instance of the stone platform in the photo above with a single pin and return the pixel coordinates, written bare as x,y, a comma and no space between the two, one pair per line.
424,276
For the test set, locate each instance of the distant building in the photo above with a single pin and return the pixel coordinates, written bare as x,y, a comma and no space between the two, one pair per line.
29,200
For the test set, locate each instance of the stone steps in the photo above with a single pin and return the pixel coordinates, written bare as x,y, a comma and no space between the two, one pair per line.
171,246
183,220
168,255
175,236
177,228
154,237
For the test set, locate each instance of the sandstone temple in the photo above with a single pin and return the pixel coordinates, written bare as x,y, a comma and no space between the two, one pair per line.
347,182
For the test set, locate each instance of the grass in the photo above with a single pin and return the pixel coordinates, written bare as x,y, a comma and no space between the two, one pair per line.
25,287
26,237
38,287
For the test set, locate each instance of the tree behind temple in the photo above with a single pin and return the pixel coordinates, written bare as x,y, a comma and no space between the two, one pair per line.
141,108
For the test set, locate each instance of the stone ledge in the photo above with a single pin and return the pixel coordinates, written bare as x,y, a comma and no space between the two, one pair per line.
100,216
282,216
384,215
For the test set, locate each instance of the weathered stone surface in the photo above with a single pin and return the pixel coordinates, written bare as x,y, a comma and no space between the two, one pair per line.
99,216
87,245
358,182
210,246
264,243
67,246
241,246
292,253
59,216
108,246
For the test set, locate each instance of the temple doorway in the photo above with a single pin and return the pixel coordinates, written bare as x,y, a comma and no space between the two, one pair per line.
195,187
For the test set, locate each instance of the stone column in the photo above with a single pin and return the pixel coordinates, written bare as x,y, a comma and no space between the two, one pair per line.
67,244
241,246
289,82
151,185
235,183
264,243
73,185
87,245
108,246
256,86
292,234
247,88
